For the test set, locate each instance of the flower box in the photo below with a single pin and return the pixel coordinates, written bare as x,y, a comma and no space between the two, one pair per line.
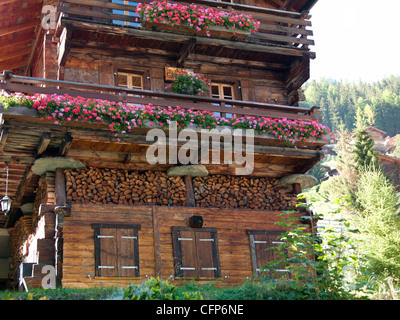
213,31
196,20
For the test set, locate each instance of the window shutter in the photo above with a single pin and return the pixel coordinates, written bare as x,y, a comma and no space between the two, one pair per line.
128,252
196,252
108,259
187,243
207,254
260,242
116,250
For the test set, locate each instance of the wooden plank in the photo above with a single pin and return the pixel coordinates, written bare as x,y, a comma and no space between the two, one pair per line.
19,27
157,243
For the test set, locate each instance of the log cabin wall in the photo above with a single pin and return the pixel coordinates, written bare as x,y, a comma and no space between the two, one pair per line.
250,84
156,250
110,196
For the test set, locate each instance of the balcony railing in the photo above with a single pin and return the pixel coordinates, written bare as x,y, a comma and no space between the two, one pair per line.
278,27
30,86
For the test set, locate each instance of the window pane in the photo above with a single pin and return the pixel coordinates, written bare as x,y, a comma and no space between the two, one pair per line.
122,80
228,94
137,82
215,91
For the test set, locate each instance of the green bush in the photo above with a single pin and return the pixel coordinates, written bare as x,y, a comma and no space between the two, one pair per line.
379,222
318,264
156,289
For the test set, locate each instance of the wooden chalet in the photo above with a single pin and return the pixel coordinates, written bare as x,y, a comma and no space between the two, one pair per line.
87,202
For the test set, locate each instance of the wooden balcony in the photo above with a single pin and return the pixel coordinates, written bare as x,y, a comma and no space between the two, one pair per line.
222,107
281,32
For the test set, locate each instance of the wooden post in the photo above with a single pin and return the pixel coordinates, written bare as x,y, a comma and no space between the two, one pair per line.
60,187
190,200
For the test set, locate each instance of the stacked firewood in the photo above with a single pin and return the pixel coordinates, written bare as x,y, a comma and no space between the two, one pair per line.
95,185
45,194
241,192
19,239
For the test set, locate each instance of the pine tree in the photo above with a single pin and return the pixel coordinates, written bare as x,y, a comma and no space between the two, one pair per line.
364,150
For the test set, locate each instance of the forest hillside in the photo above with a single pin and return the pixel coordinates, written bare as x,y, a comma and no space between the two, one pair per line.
340,102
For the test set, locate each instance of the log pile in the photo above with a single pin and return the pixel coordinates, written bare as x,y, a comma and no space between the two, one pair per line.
95,185
239,192
20,236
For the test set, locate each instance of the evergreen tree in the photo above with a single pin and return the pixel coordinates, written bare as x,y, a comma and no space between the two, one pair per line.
364,150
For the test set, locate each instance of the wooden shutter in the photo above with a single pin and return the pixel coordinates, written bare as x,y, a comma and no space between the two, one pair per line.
116,250
260,242
208,262
196,252
107,266
128,252
188,265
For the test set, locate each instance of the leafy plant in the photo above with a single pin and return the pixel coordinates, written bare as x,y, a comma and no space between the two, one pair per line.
318,264
156,289
187,83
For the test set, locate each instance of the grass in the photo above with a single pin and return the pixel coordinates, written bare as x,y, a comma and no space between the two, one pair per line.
387,289
248,290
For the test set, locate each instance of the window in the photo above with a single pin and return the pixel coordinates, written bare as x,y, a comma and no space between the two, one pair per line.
116,250
260,241
222,91
196,252
126,13
130,80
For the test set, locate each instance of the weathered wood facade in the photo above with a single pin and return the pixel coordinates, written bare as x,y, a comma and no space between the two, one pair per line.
114,217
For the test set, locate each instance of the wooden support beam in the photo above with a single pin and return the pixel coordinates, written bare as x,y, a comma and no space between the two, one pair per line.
3,138
186,50
190,200
65,144
43,143
64,46
24,184
61,196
